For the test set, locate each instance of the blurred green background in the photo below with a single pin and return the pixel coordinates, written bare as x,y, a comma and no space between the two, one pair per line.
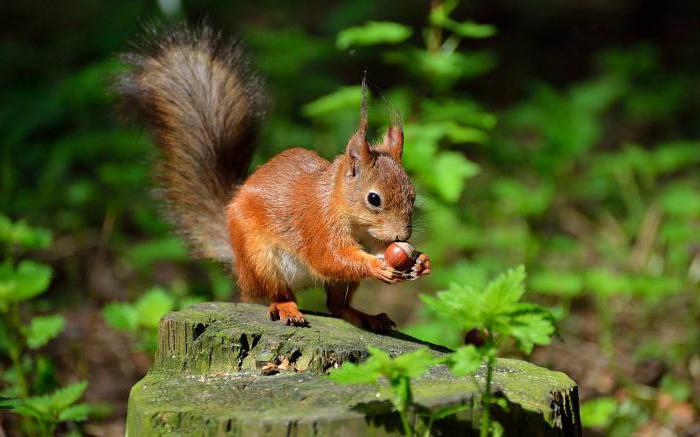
559,135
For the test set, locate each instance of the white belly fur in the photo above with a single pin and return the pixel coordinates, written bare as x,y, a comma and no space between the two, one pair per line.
295,273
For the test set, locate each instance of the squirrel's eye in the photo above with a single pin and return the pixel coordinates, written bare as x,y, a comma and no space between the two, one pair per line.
374,199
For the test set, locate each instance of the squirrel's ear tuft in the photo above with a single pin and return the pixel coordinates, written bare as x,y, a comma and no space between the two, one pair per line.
358,148
393,139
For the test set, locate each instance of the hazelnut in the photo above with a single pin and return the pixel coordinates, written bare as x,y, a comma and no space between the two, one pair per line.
401,255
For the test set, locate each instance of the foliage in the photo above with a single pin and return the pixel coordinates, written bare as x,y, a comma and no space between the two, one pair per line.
19,284
140,319
51,409
582,168
397,371
494,311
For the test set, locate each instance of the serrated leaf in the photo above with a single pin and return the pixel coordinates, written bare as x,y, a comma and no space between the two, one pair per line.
152,306
67,396
122,316
465,360
530,325
503,292
43,329
75,413
372,33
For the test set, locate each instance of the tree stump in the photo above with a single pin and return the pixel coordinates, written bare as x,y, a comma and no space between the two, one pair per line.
206,379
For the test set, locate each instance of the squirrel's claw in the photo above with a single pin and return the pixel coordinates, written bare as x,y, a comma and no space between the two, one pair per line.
288,312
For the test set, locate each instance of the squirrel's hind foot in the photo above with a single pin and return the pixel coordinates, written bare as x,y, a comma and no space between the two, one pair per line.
288,313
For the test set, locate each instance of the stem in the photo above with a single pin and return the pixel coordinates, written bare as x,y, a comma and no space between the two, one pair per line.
435,42
405,424
486,398
16,351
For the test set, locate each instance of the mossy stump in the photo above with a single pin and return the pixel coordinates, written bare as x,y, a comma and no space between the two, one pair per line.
207,379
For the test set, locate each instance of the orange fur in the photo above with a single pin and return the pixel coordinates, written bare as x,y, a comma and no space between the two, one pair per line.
298,219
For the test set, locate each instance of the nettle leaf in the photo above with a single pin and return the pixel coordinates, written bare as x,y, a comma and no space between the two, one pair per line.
496,308
26,281
339,100
66,396
372,33
465,360
505,291
530,325
43,329
152,306
122,316
75,413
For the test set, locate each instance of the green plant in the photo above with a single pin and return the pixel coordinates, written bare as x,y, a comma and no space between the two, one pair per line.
141,317
397,372
19,283
51,409
496,314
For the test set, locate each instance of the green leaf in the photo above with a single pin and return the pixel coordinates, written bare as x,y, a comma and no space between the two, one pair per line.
22,234
466,360
414,364
339,100
75,413
599,412
372,33
152,306
66,396
439,16
351,373
530,325
28,280
43,329
451,170
505,291
122,316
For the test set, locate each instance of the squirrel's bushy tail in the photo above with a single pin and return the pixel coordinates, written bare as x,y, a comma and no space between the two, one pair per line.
202,105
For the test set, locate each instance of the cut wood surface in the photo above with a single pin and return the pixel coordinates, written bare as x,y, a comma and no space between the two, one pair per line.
208,379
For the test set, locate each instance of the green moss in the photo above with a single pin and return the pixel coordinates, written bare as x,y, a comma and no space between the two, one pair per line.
206,381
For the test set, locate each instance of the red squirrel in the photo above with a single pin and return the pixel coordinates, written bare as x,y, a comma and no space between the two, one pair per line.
296,220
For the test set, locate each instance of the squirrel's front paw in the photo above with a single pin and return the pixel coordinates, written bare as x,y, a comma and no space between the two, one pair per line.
422,267
387,274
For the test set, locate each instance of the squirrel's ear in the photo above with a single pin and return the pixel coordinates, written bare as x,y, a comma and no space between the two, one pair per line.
358,148
358,151
393,142
393,139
